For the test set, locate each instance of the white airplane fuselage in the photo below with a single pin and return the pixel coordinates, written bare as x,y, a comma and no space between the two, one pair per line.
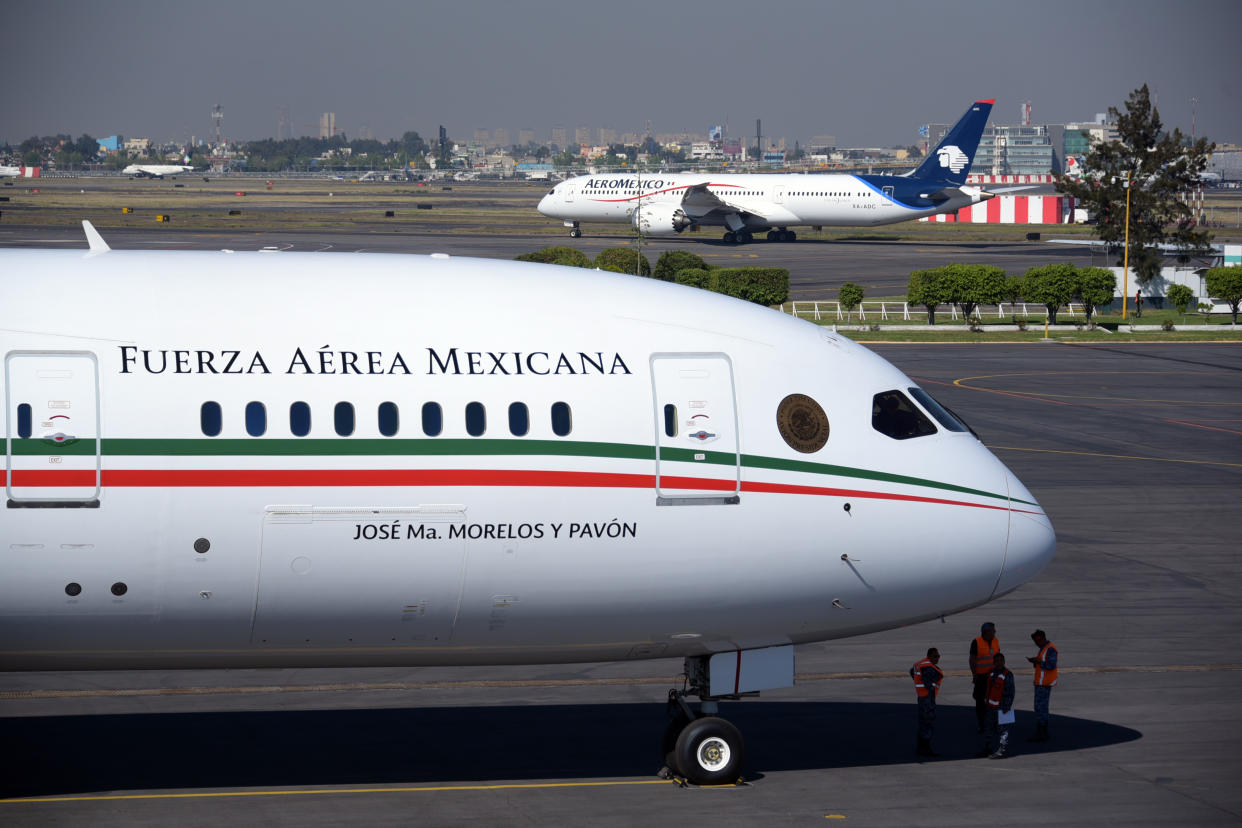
781,199
612,475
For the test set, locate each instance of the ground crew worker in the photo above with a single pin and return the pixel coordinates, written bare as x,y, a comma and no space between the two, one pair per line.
999,697
1045,679
982,650
927,677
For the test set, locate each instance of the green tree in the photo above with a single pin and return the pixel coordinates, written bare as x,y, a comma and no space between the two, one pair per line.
1051,286
1162,167
1225,283
1180,297
1012,292
86,146
969,286
1096,286
671,261
850,295
926,288
623,260
559,255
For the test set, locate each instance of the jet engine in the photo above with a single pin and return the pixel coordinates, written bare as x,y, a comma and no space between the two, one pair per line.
660,220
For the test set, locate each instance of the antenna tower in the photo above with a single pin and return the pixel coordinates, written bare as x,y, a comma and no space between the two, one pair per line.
217,115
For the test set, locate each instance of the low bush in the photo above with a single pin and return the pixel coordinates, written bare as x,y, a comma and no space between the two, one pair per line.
567,256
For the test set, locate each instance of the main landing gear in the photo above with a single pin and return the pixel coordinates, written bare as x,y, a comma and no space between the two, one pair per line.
782,235
740,237
703,749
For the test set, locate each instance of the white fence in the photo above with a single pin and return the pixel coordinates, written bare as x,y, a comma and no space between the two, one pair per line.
885,311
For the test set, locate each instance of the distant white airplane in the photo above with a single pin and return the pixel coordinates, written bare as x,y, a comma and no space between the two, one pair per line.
218,459
19,172
661,204
156,170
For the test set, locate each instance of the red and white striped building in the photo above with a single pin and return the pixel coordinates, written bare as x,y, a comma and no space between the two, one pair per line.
980,178
1014,209
20,172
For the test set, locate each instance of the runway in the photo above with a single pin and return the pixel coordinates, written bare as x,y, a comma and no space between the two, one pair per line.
1134,451
817,268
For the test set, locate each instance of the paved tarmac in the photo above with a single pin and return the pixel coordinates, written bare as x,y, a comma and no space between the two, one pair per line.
1136,453
817,268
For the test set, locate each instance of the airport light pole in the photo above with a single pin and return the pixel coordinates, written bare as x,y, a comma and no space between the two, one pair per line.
1125,259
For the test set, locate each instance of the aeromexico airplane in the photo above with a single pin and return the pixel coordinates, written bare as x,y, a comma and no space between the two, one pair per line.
745,204
227,459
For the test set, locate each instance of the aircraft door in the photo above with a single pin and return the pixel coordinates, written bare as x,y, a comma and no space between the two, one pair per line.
569,195
52,429
358,576
697,446
888,191
778,195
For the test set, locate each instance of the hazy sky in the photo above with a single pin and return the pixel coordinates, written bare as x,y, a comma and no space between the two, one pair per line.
867,72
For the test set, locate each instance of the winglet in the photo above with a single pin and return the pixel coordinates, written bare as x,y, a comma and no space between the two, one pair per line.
96,242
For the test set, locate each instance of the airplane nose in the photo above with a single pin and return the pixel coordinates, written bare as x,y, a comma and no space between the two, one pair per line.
1032,540
544,204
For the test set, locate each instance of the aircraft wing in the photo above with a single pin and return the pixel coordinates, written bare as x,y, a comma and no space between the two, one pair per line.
698,202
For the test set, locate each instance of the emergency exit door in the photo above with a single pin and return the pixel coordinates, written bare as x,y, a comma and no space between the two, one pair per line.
697,459
52,429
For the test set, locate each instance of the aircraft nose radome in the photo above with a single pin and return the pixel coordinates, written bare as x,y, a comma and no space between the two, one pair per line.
1032,540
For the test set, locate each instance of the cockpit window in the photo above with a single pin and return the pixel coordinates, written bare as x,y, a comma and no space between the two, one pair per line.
942,414
894,415
552,191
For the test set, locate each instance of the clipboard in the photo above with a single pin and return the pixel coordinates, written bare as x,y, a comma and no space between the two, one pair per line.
1005,718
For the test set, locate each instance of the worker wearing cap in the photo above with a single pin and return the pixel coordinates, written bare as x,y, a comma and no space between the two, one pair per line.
1045,664
927,677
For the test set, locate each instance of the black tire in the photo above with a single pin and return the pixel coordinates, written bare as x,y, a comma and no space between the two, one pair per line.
710,752
575,233
730,237
668,745
793,236
744,238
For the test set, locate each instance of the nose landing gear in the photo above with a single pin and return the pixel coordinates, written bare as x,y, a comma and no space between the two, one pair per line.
701,748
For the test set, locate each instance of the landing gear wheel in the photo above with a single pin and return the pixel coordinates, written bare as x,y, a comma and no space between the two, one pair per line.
792,235
773,236
744,238
575,233
730,237
710,752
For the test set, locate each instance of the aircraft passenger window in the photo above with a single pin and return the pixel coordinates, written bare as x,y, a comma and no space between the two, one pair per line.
211,419
519,419
942,414
343,418
433,419
256,419
476,419
894,415
299,419
389,418
670,420
562,423
25,420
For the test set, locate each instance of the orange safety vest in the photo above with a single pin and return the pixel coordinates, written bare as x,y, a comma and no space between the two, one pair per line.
1045,678
918,678
996,688
984,653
